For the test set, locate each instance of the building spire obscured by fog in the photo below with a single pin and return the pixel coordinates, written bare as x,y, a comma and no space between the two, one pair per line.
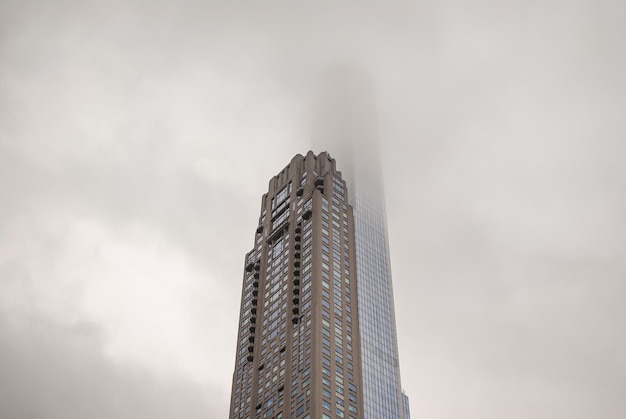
345,124
344,121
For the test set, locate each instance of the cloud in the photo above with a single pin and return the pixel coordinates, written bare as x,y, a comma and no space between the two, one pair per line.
136,139
57,371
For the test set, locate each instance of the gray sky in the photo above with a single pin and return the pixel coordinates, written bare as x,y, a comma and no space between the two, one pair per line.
133,155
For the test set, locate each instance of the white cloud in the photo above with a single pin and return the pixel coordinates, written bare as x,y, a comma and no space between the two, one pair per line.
143,293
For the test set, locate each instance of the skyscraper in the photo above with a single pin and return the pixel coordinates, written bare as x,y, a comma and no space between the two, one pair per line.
317,330
298,346
346,126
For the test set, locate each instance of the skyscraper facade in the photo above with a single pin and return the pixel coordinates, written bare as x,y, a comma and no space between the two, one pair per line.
382,391
299,340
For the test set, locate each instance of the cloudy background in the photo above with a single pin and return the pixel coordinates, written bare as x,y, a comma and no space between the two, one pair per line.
136,139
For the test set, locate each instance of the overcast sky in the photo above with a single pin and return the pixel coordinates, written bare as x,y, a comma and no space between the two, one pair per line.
137,137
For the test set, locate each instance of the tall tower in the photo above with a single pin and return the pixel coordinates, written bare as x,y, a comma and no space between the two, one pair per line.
298,346
346,126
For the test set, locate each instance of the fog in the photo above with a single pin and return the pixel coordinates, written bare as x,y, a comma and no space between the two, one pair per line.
136,140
